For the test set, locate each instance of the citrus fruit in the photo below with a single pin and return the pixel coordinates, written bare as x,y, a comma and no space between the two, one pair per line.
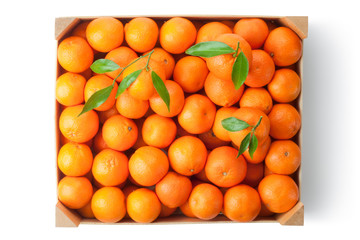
187,155
148,165
119,132
75,192
75,159
110,167
70,89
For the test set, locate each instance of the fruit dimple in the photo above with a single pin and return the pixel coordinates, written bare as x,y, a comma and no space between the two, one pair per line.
110,163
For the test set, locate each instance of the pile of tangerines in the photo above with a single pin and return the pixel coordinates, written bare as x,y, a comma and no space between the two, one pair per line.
135,157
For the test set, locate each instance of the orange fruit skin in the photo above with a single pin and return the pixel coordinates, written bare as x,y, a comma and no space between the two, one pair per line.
201,176
139,141
122,56
267,171
80,30
258,98
110,167
64,140
218,129
251,116
262,69
97,83
75,159
222,65
222,92
264,212
284,46
108,204
284,157
164,58
285,85
253,30
181,131
206,201
75,192
260,152
99,142
158,131
76,128
70,89
166,211
254,174
105,115
148,165
190,73
141,33
75,54
129,188
198,114
223,168
185,209
105,33
143,205
242,203
142,88
177,100
187,155
211,141
173,190
209,31
177,34
285,121
120,133
279,193
131,107
86,211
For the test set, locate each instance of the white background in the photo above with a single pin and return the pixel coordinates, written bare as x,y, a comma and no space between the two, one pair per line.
330,175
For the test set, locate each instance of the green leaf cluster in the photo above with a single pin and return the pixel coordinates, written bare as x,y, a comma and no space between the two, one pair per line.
240,68
250,141
105,65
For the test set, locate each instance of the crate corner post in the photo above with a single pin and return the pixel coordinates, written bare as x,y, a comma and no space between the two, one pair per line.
66,217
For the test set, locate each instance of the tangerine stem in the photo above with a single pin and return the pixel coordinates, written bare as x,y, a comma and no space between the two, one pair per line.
123,68
237,49
147,63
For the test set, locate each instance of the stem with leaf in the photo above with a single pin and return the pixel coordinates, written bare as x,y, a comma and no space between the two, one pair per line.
240,68
250,141
105,65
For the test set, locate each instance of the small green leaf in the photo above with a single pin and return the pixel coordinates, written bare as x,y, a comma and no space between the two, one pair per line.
233,124
209,49
253,145
258,123
97,99
240,70
127,81
161,89
104,65
244,144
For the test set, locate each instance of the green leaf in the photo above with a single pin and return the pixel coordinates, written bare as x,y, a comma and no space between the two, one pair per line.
244,144
104,65
97,99
253,145
240,70
127,81
209,49
258,123
233,124
161,89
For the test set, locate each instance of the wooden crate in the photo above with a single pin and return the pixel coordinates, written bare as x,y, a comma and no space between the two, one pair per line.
70,218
